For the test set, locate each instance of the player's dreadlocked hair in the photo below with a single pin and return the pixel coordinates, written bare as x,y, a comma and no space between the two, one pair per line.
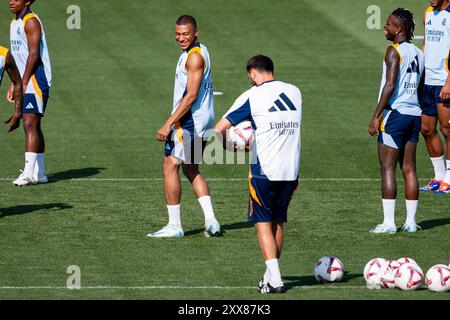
407,19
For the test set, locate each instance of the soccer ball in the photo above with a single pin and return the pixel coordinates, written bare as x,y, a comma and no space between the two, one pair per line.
371,272
241,135
328,269
408,277
407,260
438,278
386,274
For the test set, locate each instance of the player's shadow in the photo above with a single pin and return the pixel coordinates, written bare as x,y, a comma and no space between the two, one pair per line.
301,281
74,174
24,209
225,228
430,224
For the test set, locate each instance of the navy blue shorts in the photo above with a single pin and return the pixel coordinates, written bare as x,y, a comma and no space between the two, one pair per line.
269,200
431,99
397,129
33,104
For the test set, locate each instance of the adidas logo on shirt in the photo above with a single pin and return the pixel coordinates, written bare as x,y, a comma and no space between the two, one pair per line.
281,106
429,23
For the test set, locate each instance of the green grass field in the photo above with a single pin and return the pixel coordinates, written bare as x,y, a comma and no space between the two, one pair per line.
113,83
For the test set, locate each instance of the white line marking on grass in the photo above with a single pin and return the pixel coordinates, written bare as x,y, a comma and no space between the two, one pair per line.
321,287
418,37
213,179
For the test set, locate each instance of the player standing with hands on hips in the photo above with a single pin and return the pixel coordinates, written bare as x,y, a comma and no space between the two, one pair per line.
275,109
397,117
29,48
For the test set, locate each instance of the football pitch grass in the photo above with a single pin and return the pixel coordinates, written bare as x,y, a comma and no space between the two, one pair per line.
113,86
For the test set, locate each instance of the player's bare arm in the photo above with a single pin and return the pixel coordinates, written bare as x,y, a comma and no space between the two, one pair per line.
392,65
33,31
195,66
221,131
445,92
16,80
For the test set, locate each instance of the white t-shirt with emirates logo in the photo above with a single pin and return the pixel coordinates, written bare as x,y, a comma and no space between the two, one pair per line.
275,110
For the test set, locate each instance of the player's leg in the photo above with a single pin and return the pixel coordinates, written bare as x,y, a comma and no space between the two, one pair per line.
39,168
408,165
194,147
262,208
444,121
172,190
32,111
31,125
432,138
269,250
201,190
388,157
277,230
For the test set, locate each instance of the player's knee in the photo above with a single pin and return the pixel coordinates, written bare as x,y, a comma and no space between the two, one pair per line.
445,130
428,131
408,169
169,167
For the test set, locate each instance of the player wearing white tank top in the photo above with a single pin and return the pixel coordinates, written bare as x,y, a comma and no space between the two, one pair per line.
184,131
436,98
396,119
29,48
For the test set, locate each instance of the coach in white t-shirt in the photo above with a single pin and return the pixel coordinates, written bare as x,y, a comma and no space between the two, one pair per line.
274,109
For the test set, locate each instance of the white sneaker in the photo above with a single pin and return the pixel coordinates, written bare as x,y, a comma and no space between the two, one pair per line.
212,228
23,180
412,227
42,179
381,228
169,231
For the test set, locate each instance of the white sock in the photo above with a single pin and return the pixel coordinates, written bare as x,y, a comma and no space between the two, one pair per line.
39,167
30,161
447,173
411,209
206,204
174,214
275,274
389,212
266,276
439,167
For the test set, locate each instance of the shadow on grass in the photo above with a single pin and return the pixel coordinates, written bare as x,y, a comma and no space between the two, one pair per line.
74,174
225,228
430,224
24,209
292,282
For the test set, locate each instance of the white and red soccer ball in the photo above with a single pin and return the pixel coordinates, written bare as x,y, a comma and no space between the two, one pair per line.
409,277
438,278
328,269
387,273
371,272
242,135
408,260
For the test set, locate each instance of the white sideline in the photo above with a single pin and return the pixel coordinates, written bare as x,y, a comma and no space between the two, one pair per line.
215,179
166,287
